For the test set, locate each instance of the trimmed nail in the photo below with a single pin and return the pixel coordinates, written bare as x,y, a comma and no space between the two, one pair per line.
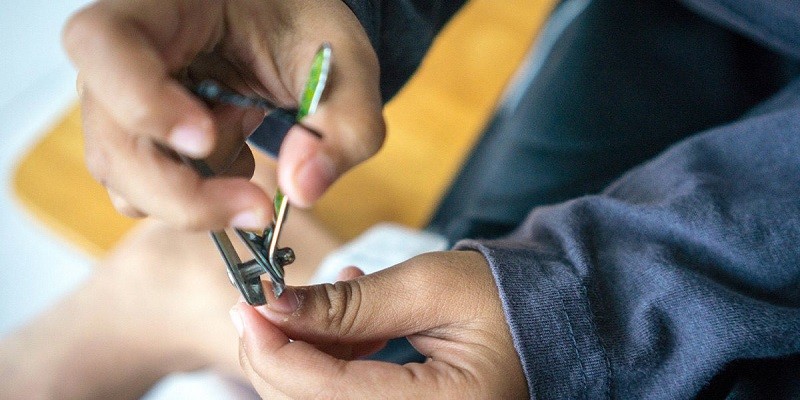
190,140
288,303
236,318
314,177
249,219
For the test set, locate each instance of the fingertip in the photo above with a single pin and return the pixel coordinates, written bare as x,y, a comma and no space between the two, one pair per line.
190,140
252,219
248,319
259,335
311,179
214,204
167,111
349,272
250,208
305,169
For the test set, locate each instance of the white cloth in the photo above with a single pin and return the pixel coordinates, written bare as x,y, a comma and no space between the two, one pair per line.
379,247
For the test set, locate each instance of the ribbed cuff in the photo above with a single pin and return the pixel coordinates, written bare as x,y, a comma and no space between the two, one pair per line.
551,323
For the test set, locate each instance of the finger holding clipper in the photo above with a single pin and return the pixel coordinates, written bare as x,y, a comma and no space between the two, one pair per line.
348,118
167,189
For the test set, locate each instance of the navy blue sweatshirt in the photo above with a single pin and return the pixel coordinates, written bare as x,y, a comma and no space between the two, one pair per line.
674,273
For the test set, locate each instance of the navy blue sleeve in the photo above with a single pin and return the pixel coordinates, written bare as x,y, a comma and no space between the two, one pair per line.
401,32
678,279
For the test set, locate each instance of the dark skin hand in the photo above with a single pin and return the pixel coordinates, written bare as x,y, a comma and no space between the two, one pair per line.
134,58
460,328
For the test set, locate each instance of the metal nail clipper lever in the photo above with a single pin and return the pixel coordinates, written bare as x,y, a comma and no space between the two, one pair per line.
268,258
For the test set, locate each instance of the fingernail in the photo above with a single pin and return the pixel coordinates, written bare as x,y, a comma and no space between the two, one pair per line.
190,140
288,303
314,177
236,318
249,219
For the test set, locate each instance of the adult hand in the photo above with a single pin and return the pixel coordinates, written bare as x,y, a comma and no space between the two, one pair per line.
445,303
133,59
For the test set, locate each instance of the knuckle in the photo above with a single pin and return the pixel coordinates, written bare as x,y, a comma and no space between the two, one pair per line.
344,302
129,211
78,26
372,143
375,138
364,142
90,24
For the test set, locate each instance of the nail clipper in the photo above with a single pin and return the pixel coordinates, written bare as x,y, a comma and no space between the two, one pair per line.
267,256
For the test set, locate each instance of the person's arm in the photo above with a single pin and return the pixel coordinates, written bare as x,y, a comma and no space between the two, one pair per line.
685,269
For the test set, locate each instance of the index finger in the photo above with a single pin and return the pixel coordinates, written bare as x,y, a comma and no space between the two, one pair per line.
126,56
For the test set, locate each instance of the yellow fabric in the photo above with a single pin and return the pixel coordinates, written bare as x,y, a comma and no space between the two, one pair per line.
432,124
53,183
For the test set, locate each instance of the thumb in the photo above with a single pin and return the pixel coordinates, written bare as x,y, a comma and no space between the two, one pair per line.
415,296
